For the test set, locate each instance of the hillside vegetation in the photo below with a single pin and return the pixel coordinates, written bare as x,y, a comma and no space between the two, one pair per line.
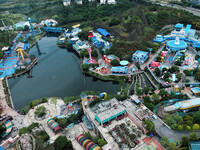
133,23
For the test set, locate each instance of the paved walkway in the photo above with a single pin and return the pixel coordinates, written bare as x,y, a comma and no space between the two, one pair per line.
53,109
17,118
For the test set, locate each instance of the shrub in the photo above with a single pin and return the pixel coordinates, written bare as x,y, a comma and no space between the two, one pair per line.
114,21
62,143
95,101
40,111
101,142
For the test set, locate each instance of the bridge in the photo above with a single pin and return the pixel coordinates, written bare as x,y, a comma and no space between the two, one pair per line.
53,29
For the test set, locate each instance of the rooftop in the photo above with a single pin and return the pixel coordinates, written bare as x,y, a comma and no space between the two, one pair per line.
108,110
119,69
76,26
187,28
195,90
154,143
194,145
111,57
124,62
184,104
104,32
178,25
5,48
140,54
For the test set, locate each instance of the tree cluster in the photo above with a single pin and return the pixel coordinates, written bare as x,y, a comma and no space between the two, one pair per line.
183,123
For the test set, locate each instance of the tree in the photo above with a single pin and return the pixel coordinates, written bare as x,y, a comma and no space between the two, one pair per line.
101,142
26,28
187,80
149,125
178,62
174,69
114,21
62,143
85,67
164,69
196,117
172,145
155,97
84,34
187,72
194,136
185,141
95,139
157,72
88,135
138,91
44,100
167,75
137,65
73,118
188,128
197,76
2,129
68,45
94,53
164,141
1,54
149,105
195,126
180,128
23,130
179,76
146,99
159,58
114,62
146,90
40,111
163,93
54,101
81,54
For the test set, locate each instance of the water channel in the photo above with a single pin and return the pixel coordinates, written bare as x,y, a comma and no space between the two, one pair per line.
57,74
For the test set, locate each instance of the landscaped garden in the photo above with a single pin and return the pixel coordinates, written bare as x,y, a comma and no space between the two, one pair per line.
126,135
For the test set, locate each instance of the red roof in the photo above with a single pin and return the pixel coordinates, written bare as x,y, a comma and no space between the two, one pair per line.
155,64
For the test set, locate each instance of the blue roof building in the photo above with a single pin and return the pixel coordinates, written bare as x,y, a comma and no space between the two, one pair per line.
104,32
108,110
178,26
53,29
119,70
196,91
194,145
140,56
183,105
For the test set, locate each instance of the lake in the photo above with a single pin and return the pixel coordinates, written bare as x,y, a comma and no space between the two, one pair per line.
57,73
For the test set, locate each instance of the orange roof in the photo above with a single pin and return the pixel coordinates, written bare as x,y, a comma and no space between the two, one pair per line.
152,141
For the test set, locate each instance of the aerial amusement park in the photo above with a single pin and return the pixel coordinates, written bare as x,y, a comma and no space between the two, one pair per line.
16,52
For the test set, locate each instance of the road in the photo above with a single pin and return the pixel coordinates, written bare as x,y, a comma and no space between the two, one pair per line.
163,130
194,11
